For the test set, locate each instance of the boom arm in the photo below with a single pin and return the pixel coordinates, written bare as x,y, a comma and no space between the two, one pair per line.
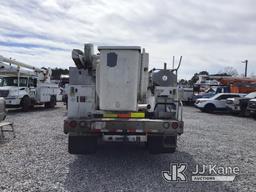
19,64
43,74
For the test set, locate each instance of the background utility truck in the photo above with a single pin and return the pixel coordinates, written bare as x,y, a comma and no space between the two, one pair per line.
64,81
23,85
113,97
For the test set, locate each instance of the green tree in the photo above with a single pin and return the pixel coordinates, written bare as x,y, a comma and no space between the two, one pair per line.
183,82
195,77
57,72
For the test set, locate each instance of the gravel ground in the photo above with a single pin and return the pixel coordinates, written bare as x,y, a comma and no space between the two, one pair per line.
37,159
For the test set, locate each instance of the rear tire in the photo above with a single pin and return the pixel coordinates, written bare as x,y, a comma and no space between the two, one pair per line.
82,144
25,103
52,102
209,108
159,144
244,112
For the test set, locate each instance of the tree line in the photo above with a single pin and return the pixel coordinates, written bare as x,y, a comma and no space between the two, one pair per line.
57,72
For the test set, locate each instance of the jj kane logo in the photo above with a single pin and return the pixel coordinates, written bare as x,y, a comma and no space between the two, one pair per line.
177,172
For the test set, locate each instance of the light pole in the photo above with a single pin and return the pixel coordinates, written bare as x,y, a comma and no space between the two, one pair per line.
246,64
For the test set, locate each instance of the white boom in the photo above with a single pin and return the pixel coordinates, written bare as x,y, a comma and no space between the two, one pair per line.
43,74
19,64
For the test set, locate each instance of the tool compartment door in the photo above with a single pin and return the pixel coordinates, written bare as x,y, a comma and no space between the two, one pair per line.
43,94
81,100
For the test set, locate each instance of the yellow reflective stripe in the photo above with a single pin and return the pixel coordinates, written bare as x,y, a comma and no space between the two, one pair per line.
137,115
128,115
110,115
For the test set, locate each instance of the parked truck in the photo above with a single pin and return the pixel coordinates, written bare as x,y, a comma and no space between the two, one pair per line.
239,105
186,95
23,85
64,82
113,97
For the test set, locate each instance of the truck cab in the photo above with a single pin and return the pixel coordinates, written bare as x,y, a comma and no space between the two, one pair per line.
13,89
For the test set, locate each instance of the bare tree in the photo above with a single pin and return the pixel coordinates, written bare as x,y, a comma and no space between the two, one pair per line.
230,71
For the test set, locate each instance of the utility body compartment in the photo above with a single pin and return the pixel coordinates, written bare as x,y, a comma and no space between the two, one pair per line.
119,77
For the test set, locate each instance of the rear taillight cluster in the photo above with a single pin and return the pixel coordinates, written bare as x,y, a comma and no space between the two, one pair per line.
73,124
175,125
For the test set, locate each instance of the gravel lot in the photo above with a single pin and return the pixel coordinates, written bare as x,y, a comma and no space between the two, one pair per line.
37,159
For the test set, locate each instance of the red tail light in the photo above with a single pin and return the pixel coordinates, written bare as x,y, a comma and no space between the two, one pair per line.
175,125
73,124
96,130
131,130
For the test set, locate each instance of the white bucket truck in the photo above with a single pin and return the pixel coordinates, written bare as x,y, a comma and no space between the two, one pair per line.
113,97
23,85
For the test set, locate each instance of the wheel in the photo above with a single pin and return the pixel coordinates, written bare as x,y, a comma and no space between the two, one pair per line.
244,112
82,144
162,144
209,108
52,102
47,105
25,103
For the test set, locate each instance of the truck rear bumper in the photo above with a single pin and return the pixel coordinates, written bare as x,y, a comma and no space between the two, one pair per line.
123,126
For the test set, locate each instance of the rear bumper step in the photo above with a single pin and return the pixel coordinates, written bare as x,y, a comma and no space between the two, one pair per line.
107,125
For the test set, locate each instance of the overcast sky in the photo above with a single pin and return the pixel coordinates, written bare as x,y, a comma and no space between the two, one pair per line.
210,35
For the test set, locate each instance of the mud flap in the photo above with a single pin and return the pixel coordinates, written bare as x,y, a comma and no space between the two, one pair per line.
162,144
